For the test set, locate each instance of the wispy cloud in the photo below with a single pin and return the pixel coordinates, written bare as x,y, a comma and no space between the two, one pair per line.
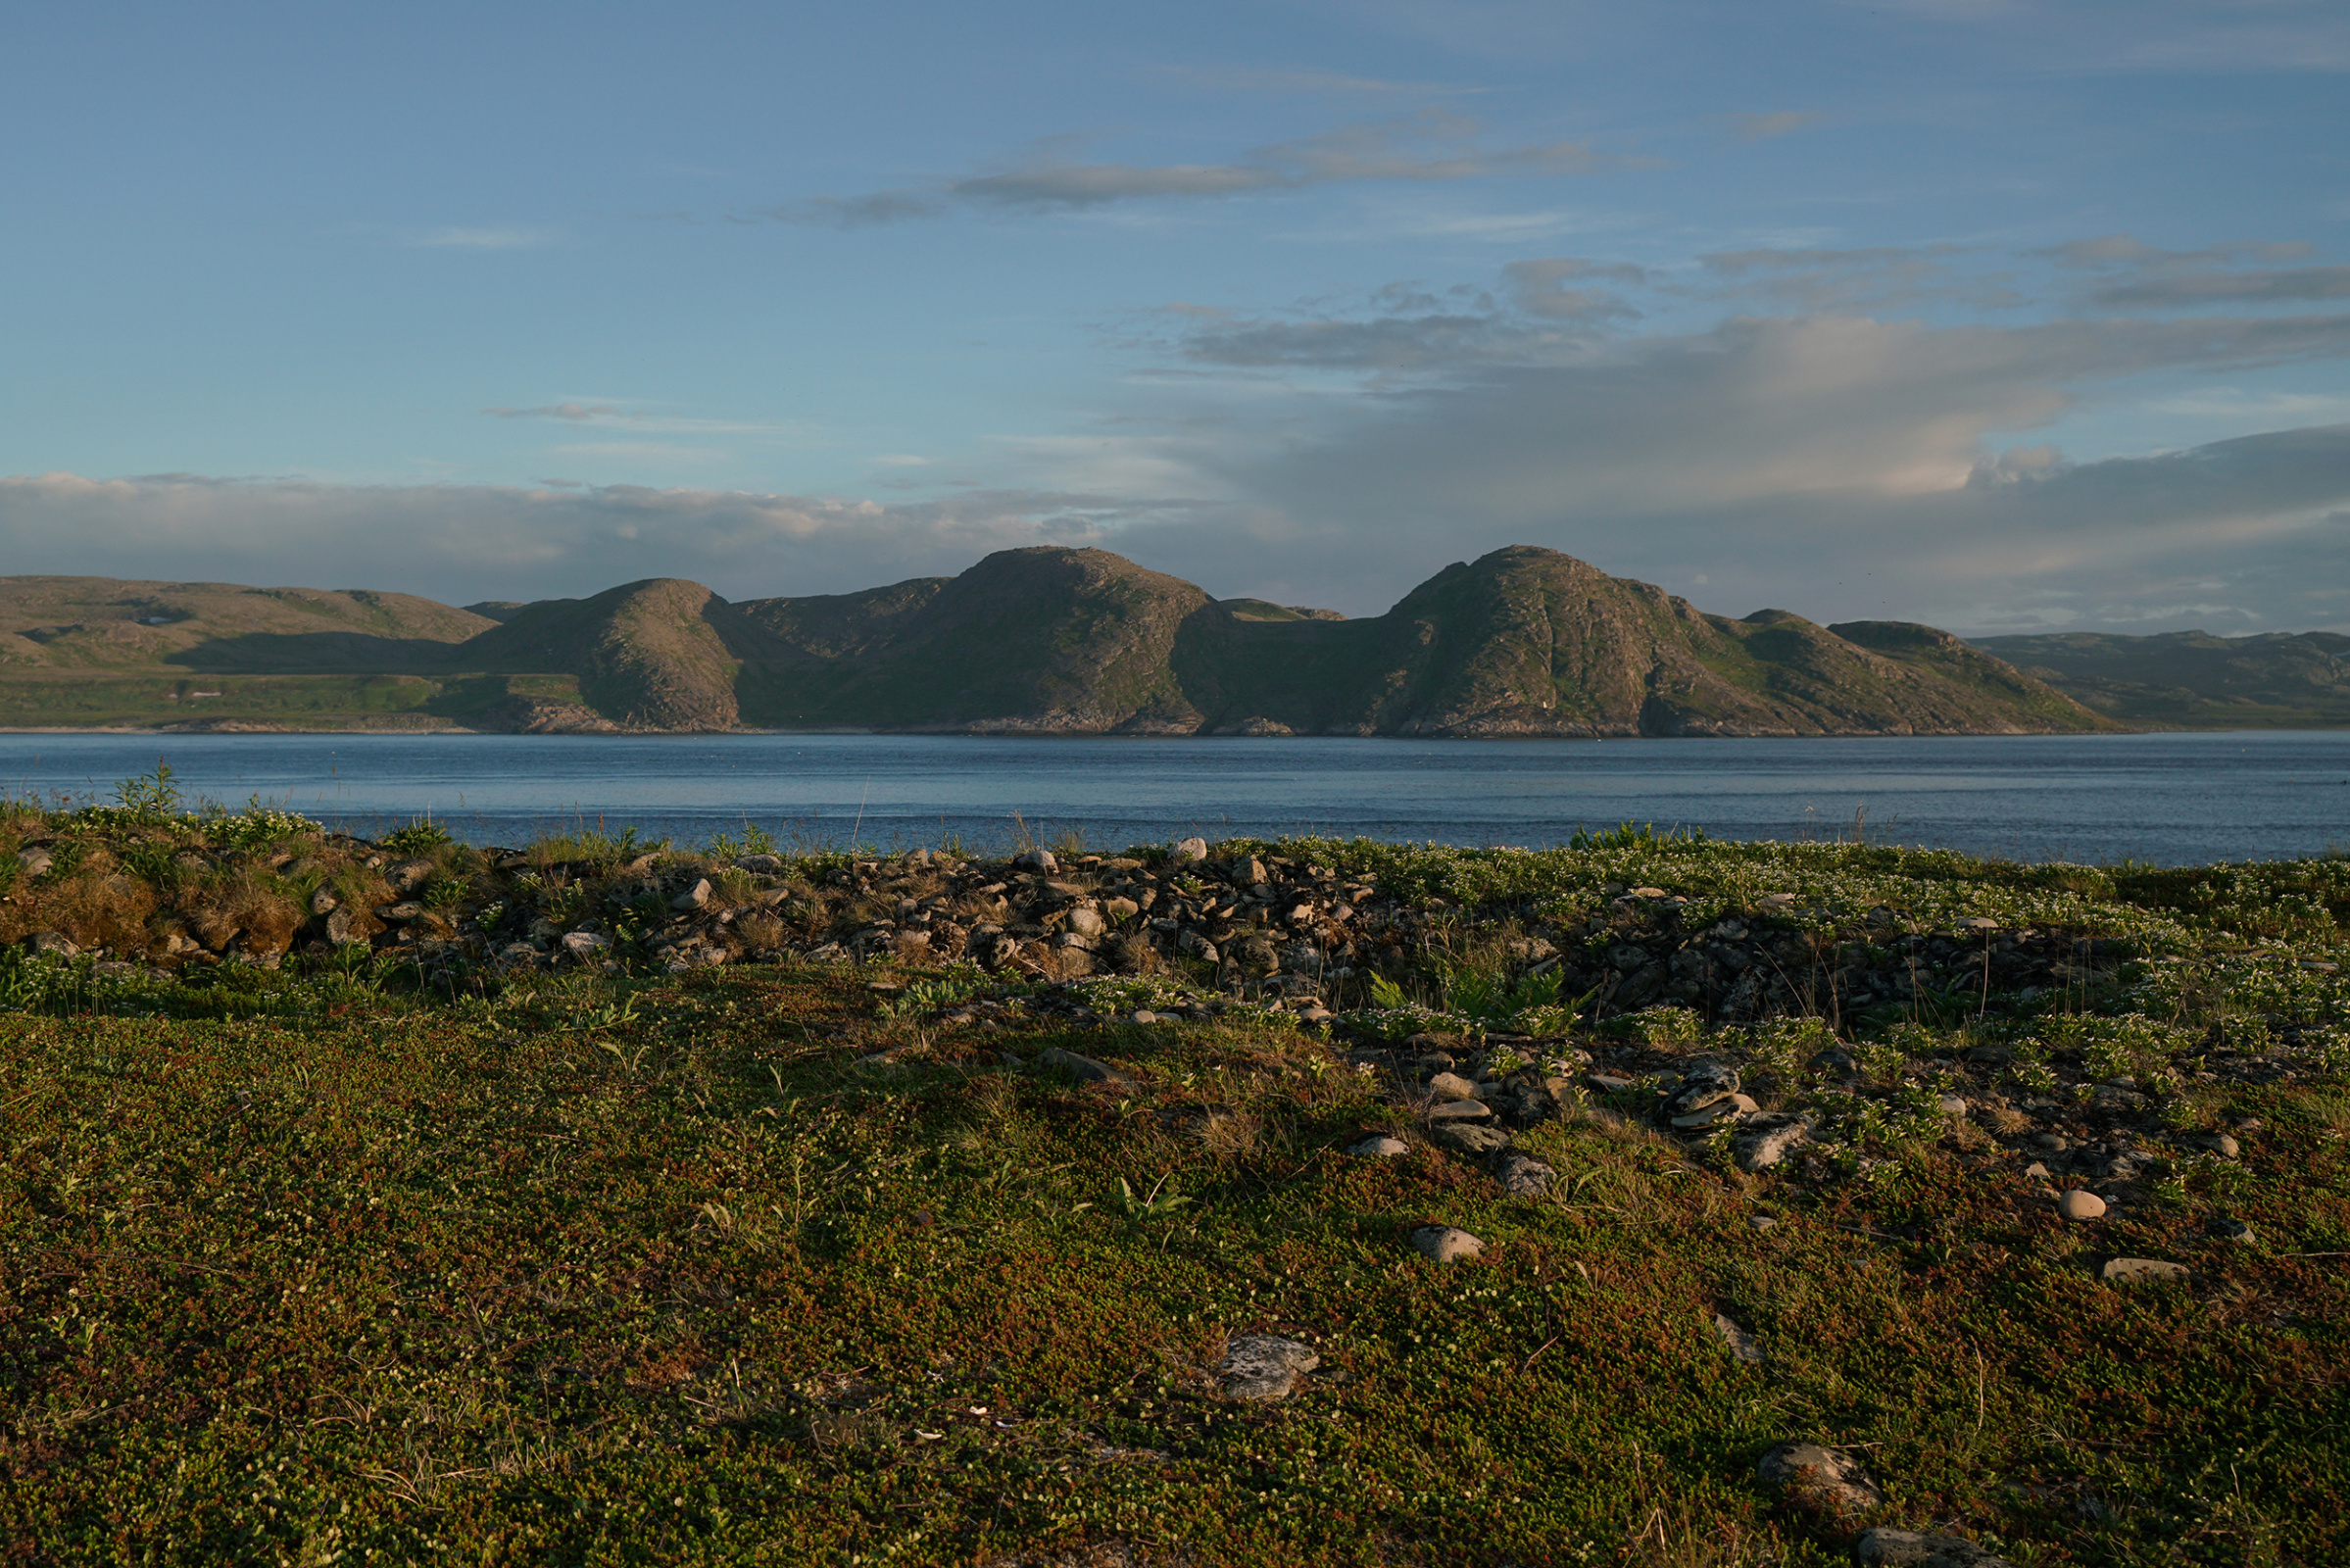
649,422
1428,145
1255,78
479,239
2286,285
1778,122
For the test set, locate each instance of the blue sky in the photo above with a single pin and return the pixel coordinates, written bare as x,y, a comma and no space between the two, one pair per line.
1998,316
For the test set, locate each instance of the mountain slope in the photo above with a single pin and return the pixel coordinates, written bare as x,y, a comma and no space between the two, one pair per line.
1531,642
1028,640
2192,679
109,623
1519,642
654,655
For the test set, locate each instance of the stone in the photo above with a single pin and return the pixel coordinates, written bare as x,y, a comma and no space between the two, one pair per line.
1263,1366
1608,1083
1315,1012
1648,893
55,944
408,875
1460,1110
1446,1244
759,864
1084,1068
2224,1144
1084,922
323,901
1764,1142
2228,1228
1823,1480
693,898
1738,1341
1836,1059
1451,1086
1144,1015
2079,1206
1980,922
1953,1106
1521,1175
1706,1083
407,914
1477,1140
2139,1270
1187,849
1902,1549
585,944
33,862
1761,1222
1037,860
1381,1145
1775,902
2035,1171
1120,910
338,927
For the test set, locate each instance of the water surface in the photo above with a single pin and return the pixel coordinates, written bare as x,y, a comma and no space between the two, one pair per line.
2175,799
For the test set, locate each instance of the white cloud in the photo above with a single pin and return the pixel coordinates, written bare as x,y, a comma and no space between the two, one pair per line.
459,543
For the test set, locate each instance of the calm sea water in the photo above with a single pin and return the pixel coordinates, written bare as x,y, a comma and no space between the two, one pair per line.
2176,798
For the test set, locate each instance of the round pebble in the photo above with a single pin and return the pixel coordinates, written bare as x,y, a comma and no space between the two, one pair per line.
2079,1205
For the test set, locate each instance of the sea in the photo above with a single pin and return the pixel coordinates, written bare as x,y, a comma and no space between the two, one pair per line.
2170,798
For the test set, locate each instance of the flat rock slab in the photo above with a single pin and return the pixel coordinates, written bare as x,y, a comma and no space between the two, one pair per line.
2138,1270
1823,1480
1084,1068
1902,1549
1264,1366
1444,1243
1477,1140
1382,1147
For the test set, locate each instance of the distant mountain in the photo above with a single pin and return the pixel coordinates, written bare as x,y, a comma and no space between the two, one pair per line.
1520,642
2192,679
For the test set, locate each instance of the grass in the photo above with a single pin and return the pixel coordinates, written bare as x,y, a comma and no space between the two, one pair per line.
816,1263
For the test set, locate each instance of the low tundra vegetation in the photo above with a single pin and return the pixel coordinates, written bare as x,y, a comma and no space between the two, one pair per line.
600,1201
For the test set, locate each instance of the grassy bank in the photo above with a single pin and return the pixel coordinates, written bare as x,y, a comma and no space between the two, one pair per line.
837,1246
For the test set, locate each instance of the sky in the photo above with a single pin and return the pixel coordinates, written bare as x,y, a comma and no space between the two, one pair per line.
2002,316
